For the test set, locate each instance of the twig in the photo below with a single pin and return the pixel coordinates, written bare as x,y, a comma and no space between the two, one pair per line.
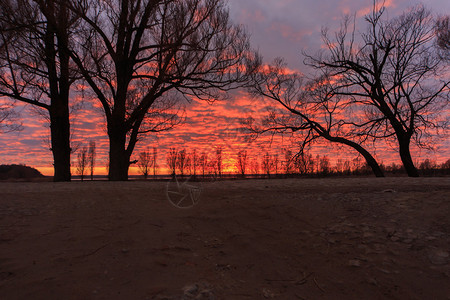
284,280
315,281
93,252
297,282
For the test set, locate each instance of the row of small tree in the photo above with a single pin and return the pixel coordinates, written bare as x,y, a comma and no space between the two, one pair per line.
194,164
183,162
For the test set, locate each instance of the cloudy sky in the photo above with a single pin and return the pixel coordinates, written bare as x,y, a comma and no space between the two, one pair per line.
279,28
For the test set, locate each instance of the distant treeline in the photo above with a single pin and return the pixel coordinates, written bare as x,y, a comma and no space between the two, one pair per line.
288,164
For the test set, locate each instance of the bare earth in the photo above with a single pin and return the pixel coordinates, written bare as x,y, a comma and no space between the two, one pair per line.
362,238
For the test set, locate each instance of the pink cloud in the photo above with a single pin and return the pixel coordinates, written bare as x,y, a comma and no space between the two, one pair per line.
290,32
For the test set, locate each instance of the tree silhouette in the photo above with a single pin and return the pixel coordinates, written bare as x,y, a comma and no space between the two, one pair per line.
143,55
181,161
145,162
324,165
82,162
35,66
267,164
194,162
393,77
254,165
172,157
203,163
91,158
155,155
275,163
288,161
304,162
312,109
218,161
242,162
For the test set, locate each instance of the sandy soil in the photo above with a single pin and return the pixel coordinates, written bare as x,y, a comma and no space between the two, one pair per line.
363,238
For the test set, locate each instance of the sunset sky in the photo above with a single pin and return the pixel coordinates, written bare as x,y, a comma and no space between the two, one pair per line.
278,28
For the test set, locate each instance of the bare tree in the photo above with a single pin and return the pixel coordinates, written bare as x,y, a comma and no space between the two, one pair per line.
155,154
189,163
288,161
339,166
242,162
304,162
91,158
324,165
267,164
203,162
428,166
347,167
181,161
35,66
82,162
145,162
218,161
311,110
392,75
275,163
137,55
172,157
194,162
255,167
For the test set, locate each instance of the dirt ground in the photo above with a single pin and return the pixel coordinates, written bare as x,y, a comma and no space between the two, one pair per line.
346,238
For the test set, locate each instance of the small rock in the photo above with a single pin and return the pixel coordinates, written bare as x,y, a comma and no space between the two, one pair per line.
205,294
354,263
438,256
388,191
164,297
384,271
438,234
267,293
367,234
190,289
395,238
372,281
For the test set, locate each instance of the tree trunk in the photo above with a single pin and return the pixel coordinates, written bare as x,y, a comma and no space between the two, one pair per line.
406,158
371,161
119,160
60,140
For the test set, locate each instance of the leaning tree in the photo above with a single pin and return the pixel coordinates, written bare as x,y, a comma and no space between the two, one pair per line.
393,75
140,54
310,110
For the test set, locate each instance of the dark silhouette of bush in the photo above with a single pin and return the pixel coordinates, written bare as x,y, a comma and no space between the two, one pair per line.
18,172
